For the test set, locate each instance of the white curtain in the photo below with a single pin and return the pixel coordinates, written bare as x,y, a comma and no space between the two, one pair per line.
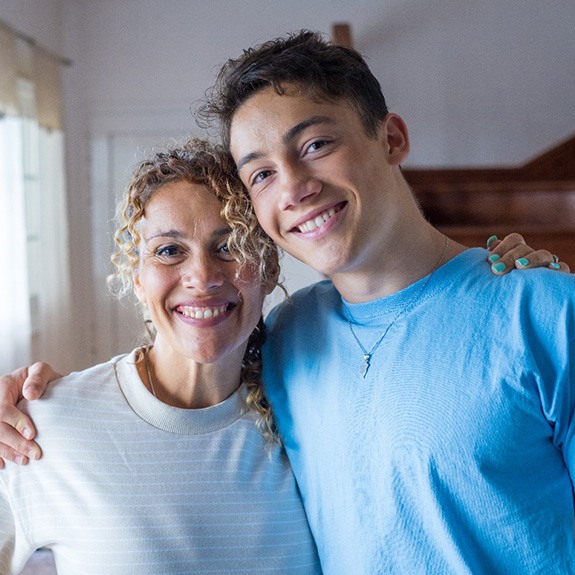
35,319
15,327
50,270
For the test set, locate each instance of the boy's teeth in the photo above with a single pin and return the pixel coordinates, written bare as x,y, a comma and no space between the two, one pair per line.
314,223
203,312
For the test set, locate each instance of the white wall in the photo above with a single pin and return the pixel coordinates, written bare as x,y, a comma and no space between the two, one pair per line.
488,82
40,19
479,82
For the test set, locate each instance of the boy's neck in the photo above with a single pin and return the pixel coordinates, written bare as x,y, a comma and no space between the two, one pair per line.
401,265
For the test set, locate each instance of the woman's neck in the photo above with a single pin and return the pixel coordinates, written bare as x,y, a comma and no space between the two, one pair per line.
181,382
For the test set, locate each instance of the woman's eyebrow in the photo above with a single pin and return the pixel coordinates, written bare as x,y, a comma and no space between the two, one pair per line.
175,234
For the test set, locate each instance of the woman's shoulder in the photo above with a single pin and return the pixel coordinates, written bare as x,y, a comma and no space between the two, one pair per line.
77,392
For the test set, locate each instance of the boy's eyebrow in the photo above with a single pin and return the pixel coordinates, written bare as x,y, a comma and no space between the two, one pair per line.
247,159
303,125
288,136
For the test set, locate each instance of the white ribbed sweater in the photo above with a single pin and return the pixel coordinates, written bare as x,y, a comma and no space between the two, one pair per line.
129,485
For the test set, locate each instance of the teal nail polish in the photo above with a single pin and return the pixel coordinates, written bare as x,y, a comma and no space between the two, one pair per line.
555,266
490,240
499,267
493,258
523,261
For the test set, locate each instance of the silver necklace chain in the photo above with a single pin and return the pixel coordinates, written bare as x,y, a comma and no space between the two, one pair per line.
365,364
148,372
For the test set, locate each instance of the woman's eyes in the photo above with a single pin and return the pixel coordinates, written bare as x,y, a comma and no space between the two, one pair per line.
173,252
167,251
224,252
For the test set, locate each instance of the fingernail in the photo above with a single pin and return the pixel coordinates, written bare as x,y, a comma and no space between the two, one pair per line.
27,433
498,267
33,454
490,241
493,258
523,261
555,266
20,460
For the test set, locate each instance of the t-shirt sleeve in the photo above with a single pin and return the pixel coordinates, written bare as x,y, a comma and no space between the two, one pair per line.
565,428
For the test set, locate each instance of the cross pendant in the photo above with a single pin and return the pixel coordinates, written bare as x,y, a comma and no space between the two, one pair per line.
365,364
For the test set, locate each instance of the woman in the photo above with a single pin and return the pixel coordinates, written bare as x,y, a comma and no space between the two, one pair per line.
166,460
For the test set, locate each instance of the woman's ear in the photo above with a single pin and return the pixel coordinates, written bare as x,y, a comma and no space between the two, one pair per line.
270,287
138,289
273,275
395,137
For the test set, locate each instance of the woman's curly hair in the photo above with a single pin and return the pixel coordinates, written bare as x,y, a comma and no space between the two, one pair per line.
199,162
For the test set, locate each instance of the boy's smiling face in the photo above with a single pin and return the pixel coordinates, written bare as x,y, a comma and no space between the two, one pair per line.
322,188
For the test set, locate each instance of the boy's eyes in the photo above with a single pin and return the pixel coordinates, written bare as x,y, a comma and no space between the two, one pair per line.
317,145
260,176
312,148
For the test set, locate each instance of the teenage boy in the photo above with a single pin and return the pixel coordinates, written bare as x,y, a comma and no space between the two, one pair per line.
428,408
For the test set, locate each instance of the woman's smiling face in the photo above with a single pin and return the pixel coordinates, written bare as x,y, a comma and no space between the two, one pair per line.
199,304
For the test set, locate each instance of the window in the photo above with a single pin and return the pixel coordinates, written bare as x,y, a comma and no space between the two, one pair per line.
34,270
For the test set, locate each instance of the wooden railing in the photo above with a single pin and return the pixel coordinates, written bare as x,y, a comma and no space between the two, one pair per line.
536,199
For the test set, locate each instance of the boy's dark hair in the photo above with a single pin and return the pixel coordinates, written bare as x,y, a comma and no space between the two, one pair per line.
326,71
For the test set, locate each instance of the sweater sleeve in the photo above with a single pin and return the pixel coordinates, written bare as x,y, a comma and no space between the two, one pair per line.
7,535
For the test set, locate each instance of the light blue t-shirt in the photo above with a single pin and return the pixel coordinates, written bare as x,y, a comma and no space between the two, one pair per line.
456,453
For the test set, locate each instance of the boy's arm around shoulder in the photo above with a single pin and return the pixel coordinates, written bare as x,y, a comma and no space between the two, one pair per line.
17,431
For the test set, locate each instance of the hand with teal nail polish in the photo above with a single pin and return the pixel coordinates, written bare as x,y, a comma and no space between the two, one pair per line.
518,255
490,240
498,267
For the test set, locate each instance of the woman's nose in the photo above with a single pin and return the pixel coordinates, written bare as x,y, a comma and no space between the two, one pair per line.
202,273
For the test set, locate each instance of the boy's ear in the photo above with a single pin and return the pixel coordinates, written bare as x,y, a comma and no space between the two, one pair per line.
395,137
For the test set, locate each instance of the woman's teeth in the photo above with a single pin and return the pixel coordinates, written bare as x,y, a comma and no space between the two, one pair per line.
202,312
